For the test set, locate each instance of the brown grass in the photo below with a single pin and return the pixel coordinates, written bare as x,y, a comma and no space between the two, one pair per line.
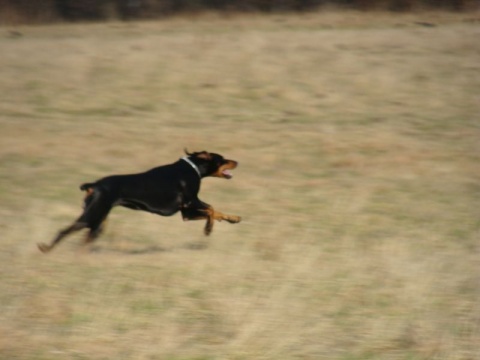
357,137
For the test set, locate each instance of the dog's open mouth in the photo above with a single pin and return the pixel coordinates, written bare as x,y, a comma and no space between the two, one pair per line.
227,174
225,171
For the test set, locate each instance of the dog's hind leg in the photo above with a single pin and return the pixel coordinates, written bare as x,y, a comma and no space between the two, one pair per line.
94,233
97,207
77,225
95,216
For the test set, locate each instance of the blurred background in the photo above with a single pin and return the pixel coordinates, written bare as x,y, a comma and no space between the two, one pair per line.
71,10
356,126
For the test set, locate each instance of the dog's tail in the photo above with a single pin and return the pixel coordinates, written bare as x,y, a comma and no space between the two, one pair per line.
87,187
89,196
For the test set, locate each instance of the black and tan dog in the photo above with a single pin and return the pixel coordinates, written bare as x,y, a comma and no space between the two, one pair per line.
163,190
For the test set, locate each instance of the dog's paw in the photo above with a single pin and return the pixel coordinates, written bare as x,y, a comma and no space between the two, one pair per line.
44,248
208,228
233,219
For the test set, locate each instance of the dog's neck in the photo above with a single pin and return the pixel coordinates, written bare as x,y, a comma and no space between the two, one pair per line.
195,167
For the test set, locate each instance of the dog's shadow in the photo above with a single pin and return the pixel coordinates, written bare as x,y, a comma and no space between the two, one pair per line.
197,246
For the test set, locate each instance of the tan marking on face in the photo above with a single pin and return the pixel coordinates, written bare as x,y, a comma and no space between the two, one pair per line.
230,165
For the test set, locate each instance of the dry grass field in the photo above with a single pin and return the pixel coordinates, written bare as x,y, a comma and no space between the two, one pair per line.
358,137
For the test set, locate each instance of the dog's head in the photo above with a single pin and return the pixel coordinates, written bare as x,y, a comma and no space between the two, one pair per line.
211,164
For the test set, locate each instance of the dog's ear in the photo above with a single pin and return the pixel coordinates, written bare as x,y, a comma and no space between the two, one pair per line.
204,155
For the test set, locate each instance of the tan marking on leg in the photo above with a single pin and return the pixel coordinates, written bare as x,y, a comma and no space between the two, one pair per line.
217,215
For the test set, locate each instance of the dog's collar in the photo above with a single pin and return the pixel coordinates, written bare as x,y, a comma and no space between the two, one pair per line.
190,162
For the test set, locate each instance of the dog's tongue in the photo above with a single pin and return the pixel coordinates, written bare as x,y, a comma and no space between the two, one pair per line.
227,174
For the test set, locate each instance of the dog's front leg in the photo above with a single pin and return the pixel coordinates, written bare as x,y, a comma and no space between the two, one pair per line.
200,210
232,219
